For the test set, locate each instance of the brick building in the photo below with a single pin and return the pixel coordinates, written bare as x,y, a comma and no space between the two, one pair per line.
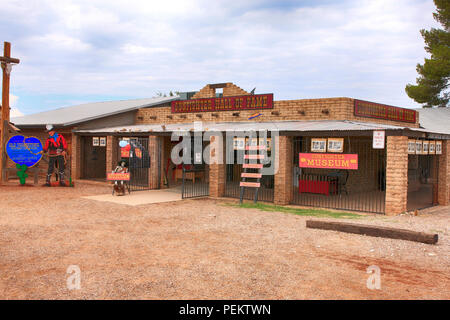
338,153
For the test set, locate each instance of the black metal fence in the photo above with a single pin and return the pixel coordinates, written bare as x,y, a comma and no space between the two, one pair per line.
195,182
359,190
139,165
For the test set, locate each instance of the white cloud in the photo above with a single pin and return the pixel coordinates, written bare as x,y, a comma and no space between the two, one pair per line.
363,49
14,112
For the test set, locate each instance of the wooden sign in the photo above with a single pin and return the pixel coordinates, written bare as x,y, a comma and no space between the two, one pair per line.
335,145
381,111
116,176
248,102
328,161
318,145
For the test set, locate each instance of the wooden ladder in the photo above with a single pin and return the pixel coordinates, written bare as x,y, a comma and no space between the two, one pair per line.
251,175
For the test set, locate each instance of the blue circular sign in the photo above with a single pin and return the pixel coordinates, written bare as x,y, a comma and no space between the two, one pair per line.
24,150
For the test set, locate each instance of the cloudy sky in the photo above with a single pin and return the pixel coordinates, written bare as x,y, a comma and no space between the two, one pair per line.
95,50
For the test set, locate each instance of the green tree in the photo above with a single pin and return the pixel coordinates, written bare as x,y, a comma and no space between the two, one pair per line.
433,81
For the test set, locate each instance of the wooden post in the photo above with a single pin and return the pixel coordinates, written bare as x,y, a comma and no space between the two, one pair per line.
6,62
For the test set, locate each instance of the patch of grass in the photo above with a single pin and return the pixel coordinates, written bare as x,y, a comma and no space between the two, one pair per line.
297,211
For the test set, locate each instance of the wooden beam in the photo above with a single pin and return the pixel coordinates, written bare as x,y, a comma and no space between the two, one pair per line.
252,165
250,184
374,231
9,60
251,175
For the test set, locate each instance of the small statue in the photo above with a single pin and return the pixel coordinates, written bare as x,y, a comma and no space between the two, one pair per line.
119,186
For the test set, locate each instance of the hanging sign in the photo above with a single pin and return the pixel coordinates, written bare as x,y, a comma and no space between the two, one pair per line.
378,139
335,145
411,146
432,147
328,161
425,145
247,102
24,150
438,147
318,145
418,146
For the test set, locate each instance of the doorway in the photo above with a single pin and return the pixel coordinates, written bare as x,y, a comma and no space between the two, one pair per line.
94,160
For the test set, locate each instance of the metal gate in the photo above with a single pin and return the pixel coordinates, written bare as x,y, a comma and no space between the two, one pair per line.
359,190
195,182
139,165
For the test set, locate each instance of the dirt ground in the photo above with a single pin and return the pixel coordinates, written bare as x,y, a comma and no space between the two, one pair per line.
203,249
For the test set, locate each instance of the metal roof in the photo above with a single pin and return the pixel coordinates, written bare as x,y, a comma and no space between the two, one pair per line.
85,112
435,119
324,125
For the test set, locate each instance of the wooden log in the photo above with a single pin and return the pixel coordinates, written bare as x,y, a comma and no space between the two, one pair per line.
250,184
374,231
252,165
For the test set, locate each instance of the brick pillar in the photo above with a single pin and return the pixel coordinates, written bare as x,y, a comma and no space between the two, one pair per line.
153,149
163,161
111,153
283,178
396,174
217,168
76,157
444,174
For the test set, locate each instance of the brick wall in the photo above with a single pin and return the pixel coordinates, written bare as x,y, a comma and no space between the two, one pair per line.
444,174
302,109
283,187
396,174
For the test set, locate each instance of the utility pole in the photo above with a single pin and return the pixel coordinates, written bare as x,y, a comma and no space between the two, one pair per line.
6,62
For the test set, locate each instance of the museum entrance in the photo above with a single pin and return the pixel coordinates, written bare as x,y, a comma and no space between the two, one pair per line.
422,181
93,158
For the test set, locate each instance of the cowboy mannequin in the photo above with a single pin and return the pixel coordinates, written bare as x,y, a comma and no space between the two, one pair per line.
56,147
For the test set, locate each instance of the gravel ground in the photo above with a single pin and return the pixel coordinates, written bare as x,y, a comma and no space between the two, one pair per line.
203,249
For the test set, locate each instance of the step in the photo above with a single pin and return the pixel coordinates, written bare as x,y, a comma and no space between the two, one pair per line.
252,165
250,184
254,156
251,175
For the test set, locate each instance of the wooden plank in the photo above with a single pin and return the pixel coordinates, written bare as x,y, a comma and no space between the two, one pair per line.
251,175
374,231
261,147
252,165
250,184
254,156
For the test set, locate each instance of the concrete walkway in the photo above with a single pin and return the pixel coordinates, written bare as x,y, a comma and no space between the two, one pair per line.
141,197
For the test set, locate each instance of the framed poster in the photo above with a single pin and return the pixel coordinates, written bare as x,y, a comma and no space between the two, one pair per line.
425,145
95,141
318,145
238,143
411,146
102,141
432,147
418,146
335,145
438,147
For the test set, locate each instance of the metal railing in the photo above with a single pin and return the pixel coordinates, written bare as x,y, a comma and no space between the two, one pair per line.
194,183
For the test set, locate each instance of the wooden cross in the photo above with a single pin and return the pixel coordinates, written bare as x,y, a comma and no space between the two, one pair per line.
6,62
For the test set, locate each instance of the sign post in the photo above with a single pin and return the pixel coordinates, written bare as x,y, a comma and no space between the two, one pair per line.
6,63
